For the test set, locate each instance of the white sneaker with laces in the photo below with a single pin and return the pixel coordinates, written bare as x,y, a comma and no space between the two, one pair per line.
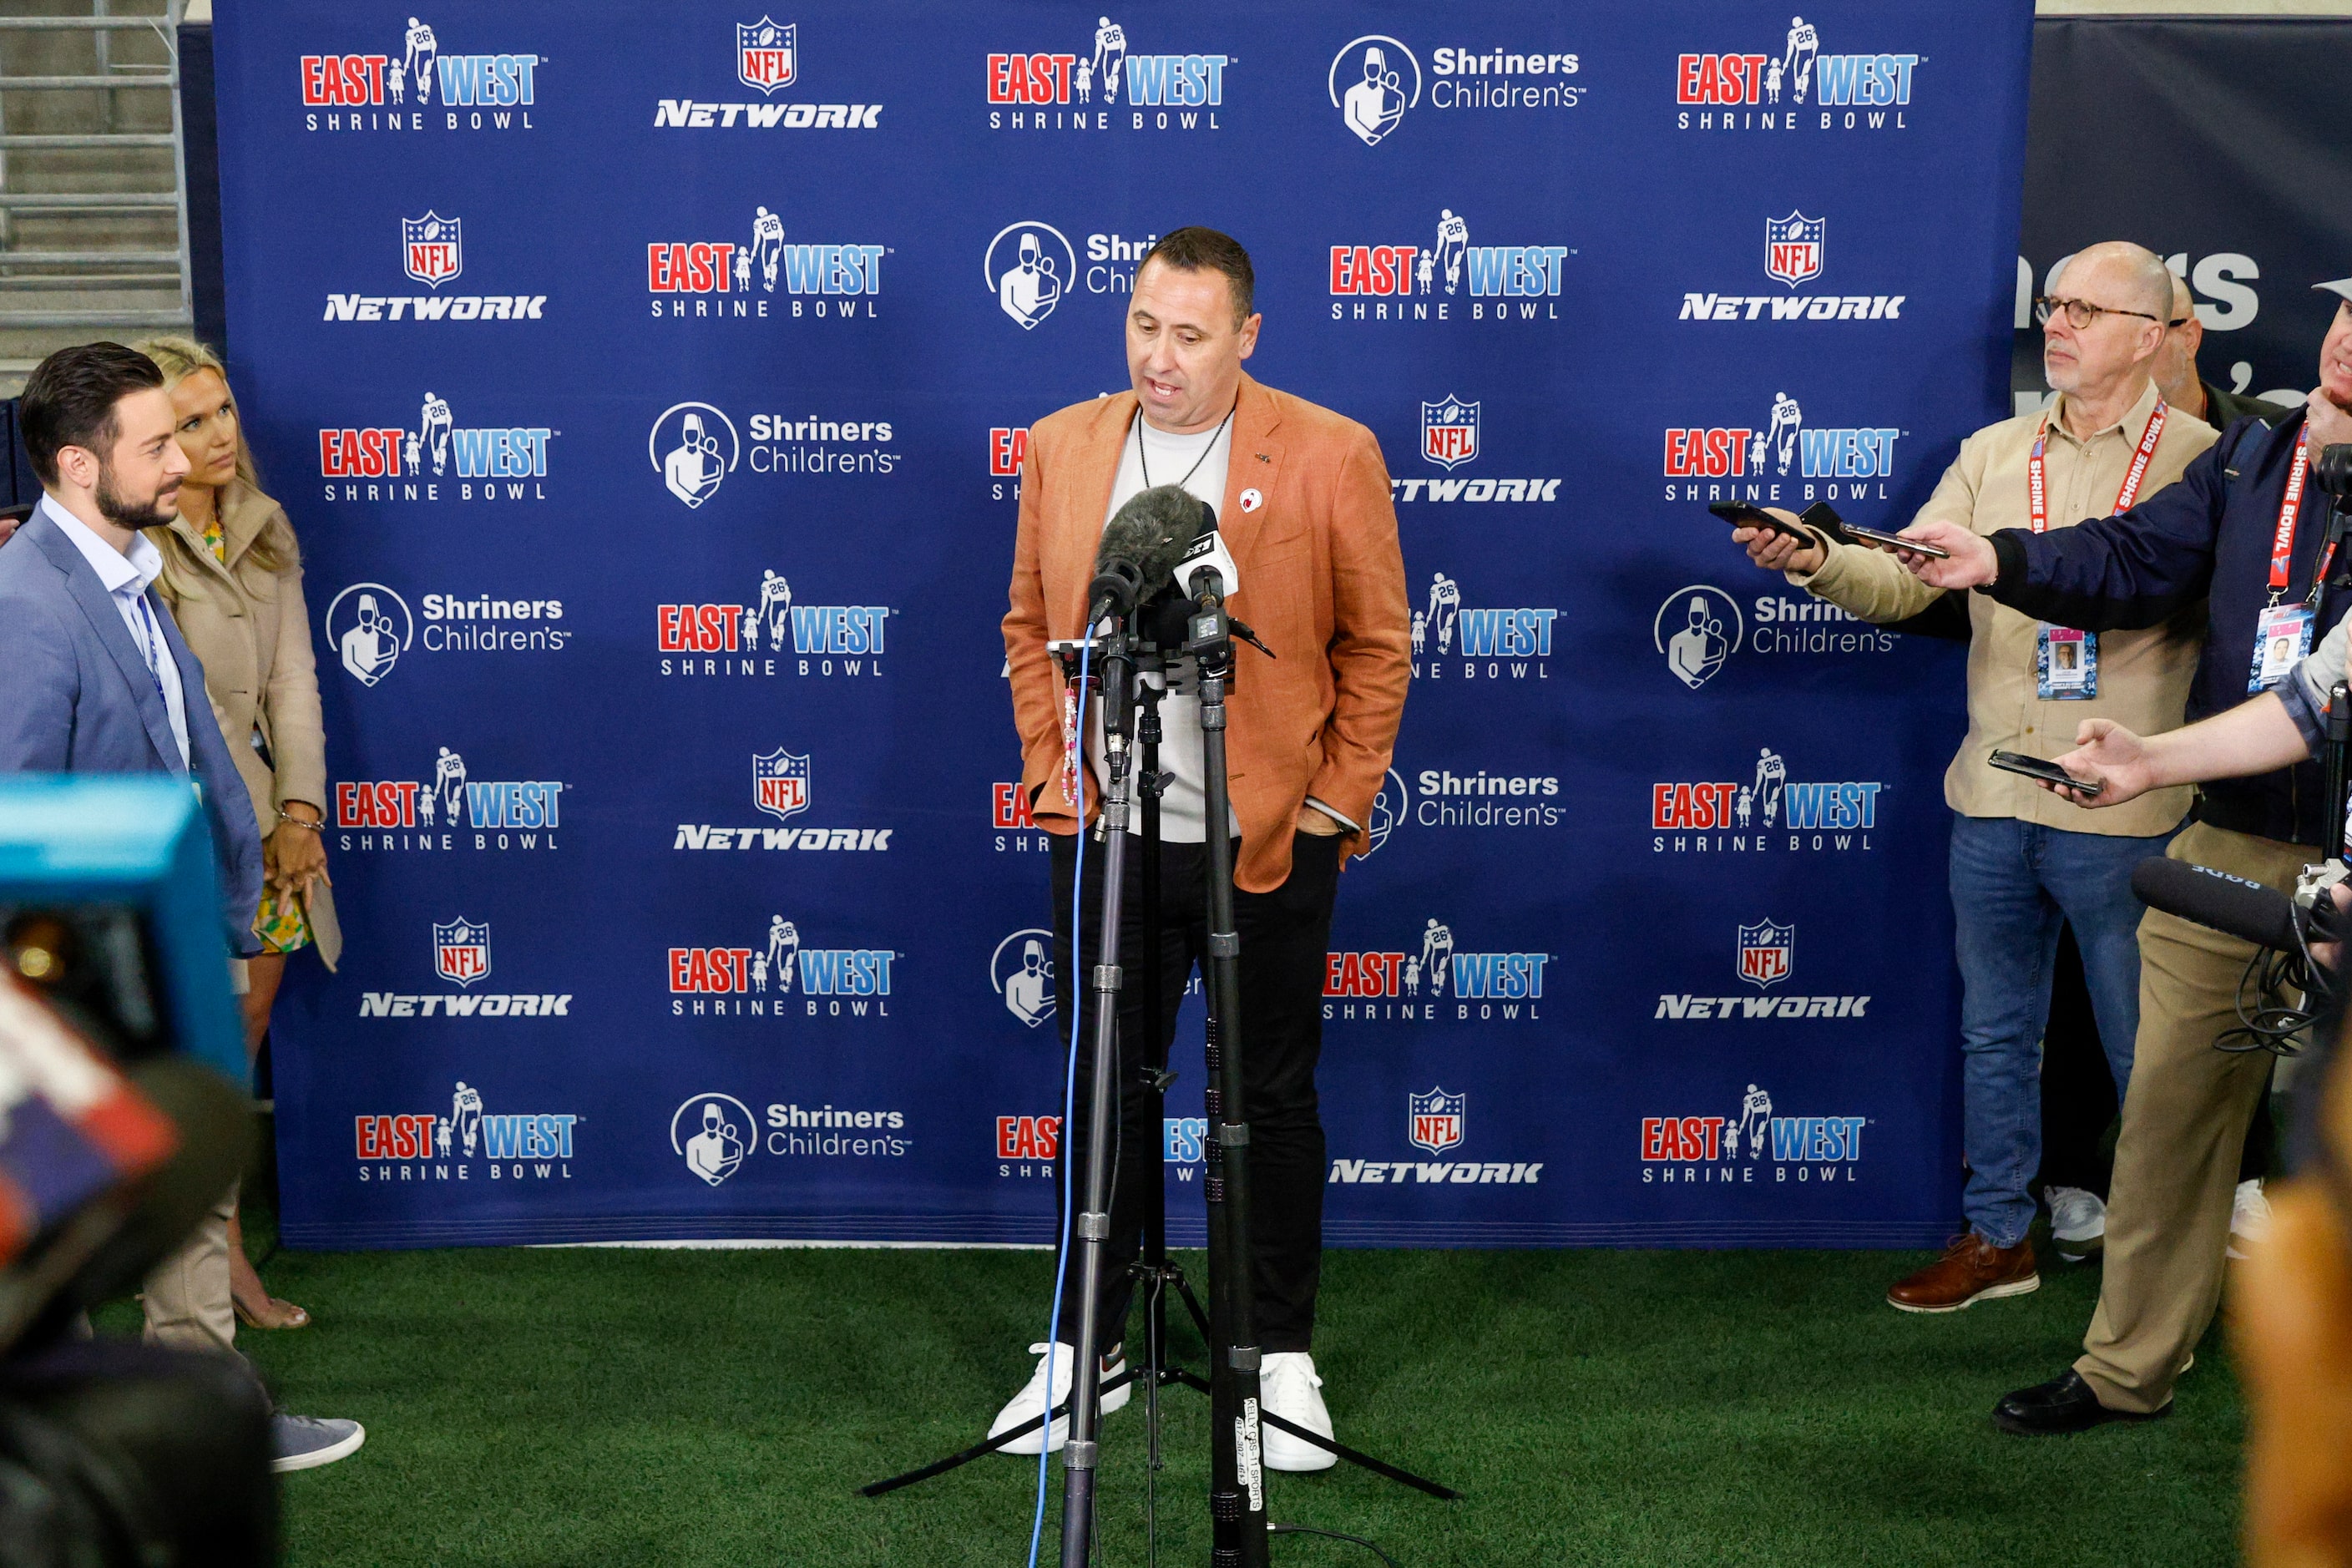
1289,1387
2078,1222
1030,1402
2250,1217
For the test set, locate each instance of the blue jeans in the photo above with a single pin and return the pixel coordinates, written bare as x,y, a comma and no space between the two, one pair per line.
2012,883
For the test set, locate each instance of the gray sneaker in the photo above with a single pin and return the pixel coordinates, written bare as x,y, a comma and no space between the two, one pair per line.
304,1442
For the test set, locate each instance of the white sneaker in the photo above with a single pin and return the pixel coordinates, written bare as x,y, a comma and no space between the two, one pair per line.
1289,1387
2078,1222
2250,1217
1030,1402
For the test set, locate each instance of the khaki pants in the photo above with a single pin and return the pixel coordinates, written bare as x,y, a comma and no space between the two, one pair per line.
2184,1129
186,1295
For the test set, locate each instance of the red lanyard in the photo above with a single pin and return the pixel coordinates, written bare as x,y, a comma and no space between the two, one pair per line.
2037,486
2290,508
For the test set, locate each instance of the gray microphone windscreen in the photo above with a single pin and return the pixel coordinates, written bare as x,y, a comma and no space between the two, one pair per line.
1152,530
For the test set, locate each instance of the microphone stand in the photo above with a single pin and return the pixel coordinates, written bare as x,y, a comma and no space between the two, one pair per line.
1091,1225
1238,1518
1237,1476
1153,1266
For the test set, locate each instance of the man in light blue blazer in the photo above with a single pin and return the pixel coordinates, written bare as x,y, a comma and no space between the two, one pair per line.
94,679
93,676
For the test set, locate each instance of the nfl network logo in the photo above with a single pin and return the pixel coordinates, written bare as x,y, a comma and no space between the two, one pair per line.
431,248
1767,953
1437,1117
780,784
1449,432
1792,247
765,55
461,951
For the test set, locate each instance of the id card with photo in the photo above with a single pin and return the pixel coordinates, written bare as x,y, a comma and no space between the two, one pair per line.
2066,665
2282,641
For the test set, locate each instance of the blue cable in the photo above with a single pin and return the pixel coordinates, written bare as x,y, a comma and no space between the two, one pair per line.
1069,1116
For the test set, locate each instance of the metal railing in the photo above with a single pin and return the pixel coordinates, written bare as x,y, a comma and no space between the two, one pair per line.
106,265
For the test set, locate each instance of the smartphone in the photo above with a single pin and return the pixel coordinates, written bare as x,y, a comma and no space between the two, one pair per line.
1742,514
1874,536
2048,772
1823,516
1892,541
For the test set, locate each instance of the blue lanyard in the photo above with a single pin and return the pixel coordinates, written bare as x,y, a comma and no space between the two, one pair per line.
147,633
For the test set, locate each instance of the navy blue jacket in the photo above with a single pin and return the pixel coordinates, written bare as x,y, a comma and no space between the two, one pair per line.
2208,537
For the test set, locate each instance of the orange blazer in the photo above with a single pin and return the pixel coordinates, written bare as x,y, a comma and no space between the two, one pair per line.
1322,584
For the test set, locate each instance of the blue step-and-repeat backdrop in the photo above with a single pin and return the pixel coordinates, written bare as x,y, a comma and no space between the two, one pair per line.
649,387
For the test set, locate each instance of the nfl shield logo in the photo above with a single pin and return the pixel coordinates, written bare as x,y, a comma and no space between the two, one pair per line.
1792,247
461,951
429,249
780,784
1767,953
1449,432
1437,1119
765,56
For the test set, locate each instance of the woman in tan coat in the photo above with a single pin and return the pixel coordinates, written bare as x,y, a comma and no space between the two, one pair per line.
233,577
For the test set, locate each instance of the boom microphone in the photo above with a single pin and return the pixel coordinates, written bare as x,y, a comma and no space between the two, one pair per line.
1140,546
2216,899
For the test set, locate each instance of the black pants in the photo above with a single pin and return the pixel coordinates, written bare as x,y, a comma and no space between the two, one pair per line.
1284,935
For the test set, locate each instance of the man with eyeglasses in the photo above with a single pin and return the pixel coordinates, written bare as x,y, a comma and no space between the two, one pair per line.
2245,535
2176,377
2023,861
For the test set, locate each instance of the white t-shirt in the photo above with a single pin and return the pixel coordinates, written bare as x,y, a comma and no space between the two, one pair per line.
1184,810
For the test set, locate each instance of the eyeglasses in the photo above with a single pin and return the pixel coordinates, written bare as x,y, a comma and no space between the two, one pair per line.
2081,313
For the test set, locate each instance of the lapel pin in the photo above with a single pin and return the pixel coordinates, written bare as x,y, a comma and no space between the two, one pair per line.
1252,500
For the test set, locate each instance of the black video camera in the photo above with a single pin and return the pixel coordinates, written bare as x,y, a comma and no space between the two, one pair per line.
2331,469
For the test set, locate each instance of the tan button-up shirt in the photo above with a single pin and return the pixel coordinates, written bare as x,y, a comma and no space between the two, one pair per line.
2143,675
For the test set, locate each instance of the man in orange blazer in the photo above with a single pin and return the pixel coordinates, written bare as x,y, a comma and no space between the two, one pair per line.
1302,502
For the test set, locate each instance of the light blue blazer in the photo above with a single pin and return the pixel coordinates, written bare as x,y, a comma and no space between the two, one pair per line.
76,696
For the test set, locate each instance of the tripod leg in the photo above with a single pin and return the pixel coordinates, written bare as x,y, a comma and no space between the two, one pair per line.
1194,1381
966,1455
1192,1304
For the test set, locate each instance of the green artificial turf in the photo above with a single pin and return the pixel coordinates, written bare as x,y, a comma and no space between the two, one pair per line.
605,1407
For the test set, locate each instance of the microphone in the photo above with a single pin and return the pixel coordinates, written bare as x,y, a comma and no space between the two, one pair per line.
2220,902
1207,573
1140,546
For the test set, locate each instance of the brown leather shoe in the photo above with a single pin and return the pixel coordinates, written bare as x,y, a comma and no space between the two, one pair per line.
1972,1270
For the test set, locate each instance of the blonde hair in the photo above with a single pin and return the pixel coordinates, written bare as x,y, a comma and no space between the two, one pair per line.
179,358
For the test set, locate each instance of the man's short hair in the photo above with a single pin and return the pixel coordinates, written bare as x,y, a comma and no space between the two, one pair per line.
1196,249
69,400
